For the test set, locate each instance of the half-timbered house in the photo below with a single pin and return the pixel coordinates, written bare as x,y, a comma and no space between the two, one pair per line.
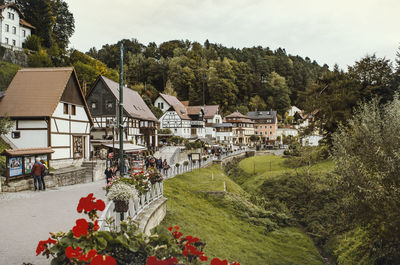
140,124
48,110
176,117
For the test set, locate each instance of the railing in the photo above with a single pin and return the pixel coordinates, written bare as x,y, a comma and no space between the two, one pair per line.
136,206
156,191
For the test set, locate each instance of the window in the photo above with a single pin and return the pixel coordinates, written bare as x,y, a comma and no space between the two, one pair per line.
16,135
270,127
270,132
93,105
14,30
14,43
256,127
7,28
11,16
66,108
6,40
260,133
109,104
23,33
73,110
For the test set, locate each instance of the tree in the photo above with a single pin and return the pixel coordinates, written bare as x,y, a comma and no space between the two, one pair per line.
63,23
39,59
277,88
257,103
32,42
169,90
375,76
367,156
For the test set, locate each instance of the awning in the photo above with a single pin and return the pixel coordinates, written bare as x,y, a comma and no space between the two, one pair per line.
27,151
129,148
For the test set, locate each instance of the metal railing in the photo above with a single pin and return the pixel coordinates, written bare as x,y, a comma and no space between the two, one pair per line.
156,190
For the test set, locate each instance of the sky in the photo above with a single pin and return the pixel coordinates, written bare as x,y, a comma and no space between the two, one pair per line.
328,31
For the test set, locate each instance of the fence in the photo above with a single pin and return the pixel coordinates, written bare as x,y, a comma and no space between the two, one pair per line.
156,191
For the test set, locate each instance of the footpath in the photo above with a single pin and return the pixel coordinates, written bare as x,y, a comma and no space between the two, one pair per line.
27,217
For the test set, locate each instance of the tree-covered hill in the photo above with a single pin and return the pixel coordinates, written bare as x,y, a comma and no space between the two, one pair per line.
244,79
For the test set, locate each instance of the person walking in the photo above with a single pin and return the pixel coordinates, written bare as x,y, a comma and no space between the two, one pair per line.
165,166
36,173
45,172
126,166
109,174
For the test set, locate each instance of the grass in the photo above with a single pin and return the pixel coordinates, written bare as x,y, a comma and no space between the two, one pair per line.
223,223
7,73
271,166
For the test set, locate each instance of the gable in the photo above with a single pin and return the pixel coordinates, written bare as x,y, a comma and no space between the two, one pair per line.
72,93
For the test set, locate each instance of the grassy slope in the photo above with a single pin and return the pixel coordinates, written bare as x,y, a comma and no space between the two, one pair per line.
227,235
7,73
271,167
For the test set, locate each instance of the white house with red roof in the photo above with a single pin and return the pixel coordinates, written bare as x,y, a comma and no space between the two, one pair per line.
13,28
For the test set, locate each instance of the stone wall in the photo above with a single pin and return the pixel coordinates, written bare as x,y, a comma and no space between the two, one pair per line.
13,56
153,215
88,172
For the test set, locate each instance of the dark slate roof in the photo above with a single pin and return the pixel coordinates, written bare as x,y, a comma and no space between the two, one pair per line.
133,102
258,115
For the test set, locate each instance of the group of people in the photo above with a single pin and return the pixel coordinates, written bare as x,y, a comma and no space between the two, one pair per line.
39,170
157,163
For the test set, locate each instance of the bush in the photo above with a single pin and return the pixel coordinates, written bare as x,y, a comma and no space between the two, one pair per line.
40,59
33,43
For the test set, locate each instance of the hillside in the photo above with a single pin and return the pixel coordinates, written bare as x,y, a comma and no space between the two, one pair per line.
7,72
231,225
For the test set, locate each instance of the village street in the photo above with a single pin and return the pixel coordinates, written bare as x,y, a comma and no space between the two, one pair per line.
28,216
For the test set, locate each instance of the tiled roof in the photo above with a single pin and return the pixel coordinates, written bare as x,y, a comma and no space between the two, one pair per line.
28,151
26,24
133,102
35,92
236,114
177,105
210,111
257,115
193,110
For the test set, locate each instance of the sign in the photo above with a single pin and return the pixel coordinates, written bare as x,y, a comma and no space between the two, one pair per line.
137,166
195,156
29,161
15,166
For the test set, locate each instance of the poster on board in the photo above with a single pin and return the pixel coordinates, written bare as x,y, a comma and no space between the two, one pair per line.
195,156
15,166
29,161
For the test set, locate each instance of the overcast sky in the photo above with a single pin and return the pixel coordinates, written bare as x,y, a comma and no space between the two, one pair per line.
328,31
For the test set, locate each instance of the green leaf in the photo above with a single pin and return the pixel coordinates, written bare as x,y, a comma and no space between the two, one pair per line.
101,243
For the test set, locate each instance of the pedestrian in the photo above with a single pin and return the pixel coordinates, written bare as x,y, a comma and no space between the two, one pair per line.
45,172
109,174
36,173
126,166
165,166
159,164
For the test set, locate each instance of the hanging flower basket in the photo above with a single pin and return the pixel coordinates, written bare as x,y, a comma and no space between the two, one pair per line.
121,206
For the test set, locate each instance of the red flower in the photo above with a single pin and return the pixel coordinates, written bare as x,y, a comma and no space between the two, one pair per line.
89,203
217,261
235,263
203,258
90,255
96,226
154,261
81,228
103,260
170,228
42,245
191,240
71,253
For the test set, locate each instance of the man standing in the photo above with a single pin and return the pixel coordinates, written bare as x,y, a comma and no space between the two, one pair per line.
37,170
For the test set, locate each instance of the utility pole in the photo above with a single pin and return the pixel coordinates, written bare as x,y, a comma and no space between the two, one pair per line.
121,111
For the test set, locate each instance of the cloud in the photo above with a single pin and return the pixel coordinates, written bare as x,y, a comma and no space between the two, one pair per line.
340,31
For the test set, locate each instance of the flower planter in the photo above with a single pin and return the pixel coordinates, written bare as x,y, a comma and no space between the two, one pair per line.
121,206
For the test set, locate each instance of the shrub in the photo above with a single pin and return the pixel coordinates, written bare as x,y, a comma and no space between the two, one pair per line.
33,43
177,165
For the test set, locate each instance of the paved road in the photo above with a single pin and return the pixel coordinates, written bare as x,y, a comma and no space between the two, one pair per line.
27,217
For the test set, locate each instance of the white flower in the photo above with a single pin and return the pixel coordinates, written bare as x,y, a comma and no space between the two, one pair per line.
121,191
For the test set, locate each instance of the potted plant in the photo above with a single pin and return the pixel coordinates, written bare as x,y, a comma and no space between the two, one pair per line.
121,192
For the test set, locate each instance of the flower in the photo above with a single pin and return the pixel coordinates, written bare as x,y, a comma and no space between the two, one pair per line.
96,226
121,191
71,253
81,228
89,256
154,261
42,245
217,261
103,260
89,203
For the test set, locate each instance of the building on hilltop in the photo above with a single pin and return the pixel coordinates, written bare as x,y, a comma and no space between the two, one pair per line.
13,28
49,111
140,124
242,128
265,125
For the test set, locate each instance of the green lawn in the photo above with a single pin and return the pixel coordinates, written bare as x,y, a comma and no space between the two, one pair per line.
224,226
271,166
